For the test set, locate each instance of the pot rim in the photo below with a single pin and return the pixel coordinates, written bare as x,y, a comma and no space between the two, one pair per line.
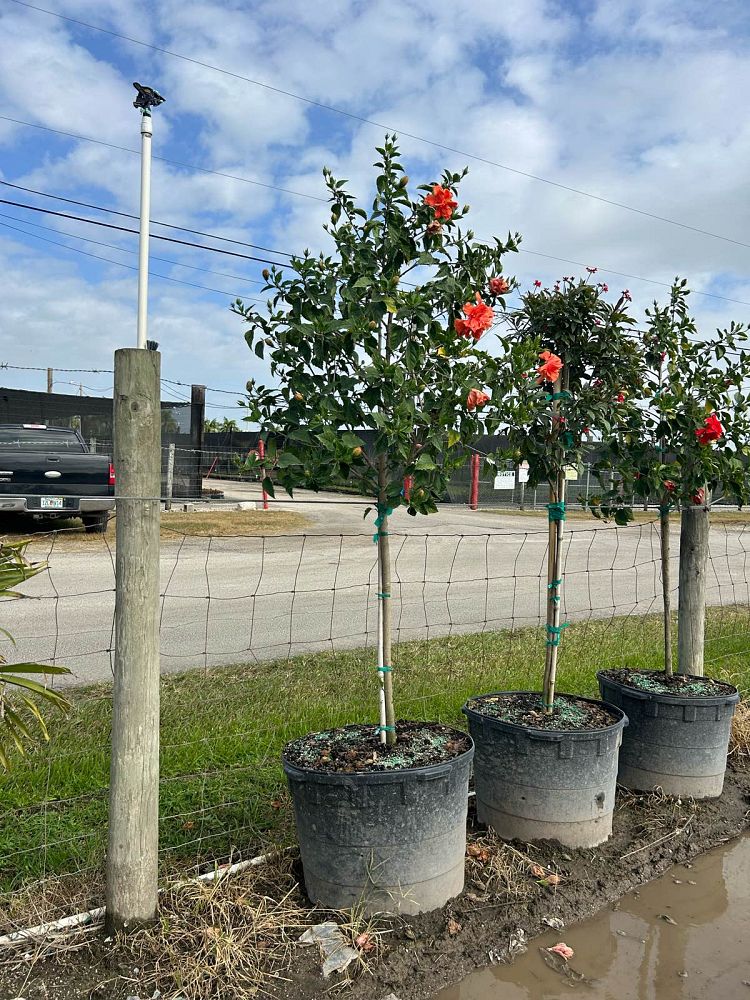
425,772
638,694
549,734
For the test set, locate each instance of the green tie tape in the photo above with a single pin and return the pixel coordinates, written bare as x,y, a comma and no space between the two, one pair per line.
383,594
384,511
385,670
553,631
385,729
553,586
556,510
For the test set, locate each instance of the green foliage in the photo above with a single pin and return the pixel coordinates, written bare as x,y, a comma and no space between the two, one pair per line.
352,345
21,721
686,379
600,376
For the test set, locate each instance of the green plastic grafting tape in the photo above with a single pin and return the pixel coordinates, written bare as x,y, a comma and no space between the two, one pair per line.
556,510
553,586
553,631
386,729
385,670
383,595
384,511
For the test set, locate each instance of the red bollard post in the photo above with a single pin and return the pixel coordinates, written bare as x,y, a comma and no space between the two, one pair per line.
408,484
474,491
262,456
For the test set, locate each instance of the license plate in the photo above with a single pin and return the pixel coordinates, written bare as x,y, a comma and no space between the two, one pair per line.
51,503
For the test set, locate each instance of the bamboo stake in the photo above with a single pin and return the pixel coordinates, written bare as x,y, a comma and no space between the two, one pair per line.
666,581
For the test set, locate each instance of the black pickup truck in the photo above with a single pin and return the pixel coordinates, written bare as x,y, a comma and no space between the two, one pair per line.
49,472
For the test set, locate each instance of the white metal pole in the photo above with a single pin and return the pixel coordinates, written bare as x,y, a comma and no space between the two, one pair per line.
146,133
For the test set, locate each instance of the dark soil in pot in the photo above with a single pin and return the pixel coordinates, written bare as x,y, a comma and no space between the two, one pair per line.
356,749
545,776
679,730
381,827
569,714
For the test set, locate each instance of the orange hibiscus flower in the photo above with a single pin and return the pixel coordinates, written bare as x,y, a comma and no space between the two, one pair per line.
442,201
550,368
475,399
479,317
710,431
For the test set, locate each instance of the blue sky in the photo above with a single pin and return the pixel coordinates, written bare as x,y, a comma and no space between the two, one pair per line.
639,101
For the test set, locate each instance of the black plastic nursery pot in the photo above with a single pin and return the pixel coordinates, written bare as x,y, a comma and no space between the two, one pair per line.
674,742
388,841
544,784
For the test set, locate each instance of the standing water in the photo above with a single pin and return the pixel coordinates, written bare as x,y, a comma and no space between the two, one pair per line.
685,936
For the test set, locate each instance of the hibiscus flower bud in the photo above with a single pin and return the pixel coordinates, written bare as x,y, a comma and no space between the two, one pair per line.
404,181
372,325
499,286
298,396
356,452
266,274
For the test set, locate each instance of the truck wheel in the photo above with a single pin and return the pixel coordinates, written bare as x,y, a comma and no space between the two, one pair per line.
95,524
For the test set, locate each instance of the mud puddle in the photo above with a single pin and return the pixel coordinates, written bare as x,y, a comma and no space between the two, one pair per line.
683,937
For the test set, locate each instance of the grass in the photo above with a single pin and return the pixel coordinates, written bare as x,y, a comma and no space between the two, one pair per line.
69,532
222,788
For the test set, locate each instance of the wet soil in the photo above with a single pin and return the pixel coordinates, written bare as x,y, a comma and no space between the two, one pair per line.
358,750
507,887
568,714
657,682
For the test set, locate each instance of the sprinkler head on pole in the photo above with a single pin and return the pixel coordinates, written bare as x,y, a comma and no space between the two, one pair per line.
147,98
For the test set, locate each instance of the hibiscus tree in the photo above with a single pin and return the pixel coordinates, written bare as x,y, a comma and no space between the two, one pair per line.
688,439
587,370
382,334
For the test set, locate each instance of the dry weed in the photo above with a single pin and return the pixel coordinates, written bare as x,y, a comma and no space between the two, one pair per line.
229,938
739,741
497,869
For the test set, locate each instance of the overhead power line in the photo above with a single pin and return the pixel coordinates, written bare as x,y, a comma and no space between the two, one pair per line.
380,125
130,267
164,159
113,246
125,229
153,222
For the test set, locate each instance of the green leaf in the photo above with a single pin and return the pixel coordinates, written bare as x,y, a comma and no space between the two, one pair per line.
425,463
268,486
287,459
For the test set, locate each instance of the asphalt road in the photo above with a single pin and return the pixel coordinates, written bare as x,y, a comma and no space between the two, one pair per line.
235,600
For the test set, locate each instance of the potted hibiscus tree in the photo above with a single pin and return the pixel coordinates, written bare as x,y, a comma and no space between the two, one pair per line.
689,438
546,763
382,335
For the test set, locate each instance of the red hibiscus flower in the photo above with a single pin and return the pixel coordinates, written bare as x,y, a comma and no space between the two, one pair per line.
710,431
626,295
442,201
699,496
604,287
479,318
550,368
499,286
537,283
620,397
592,270
669,486
475,399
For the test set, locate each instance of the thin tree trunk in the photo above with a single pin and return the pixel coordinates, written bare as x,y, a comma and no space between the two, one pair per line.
691,624
384,560
666,588
554,574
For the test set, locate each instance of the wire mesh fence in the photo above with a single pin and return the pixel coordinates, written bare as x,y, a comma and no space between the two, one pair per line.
263,638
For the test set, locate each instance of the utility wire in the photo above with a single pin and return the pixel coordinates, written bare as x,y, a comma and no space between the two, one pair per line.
381,126
164,159
113,246
154,222
198,246
119,263
125,229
